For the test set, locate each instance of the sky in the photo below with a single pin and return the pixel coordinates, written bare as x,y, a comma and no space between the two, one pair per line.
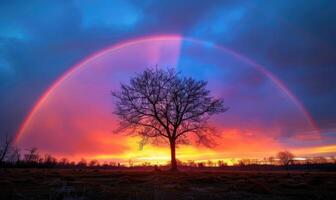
292,40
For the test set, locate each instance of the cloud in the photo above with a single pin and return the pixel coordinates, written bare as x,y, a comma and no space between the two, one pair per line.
120,14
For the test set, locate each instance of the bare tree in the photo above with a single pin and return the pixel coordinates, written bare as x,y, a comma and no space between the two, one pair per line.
32,155
94,163
82,163
161,106
285,157
15,155
64,161
5,148
49,160
270,160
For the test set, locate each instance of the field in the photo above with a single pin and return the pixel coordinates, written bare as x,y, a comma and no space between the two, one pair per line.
111,184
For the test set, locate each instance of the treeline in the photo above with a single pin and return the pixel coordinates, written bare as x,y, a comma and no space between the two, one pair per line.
48,161
298,166
31,158
12,157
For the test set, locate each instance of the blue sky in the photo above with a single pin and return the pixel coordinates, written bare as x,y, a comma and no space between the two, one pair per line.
40,40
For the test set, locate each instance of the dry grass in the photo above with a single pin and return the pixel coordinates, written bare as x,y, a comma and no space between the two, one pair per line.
109,184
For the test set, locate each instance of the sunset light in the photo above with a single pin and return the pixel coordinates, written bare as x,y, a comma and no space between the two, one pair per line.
167,100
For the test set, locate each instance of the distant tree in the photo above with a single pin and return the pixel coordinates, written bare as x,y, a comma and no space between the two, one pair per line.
32,155
105,164
4,149
191,163
245,161
15,155
72,163
210,163
270,160
319,160
160,105
285,157
64,161
49,160
200,164
82,163
112,164
221,163
333,159
93,163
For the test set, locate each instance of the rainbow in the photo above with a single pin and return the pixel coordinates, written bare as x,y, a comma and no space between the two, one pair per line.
127,43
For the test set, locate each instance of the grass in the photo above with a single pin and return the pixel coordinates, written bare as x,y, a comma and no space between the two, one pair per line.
110,184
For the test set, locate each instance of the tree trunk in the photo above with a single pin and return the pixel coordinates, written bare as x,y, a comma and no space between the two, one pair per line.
3,153
173,156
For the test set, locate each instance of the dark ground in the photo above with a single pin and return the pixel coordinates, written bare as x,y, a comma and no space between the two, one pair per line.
112,184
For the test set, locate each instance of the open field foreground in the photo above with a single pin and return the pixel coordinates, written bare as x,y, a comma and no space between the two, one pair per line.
109,184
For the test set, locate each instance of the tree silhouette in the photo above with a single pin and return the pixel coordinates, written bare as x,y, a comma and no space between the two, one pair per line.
161,105
15,155
4,149
285,157
32,156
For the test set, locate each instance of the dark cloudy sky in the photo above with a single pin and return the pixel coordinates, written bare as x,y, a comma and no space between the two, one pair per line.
294,39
